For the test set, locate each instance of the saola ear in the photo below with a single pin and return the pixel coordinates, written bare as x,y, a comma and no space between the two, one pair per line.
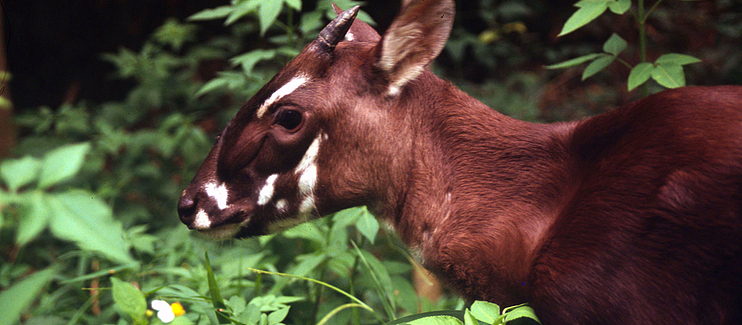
414,39
359,31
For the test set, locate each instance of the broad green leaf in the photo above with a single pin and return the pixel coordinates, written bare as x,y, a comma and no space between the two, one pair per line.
34,220
574,62
669,75
620,6
294,4
640,74
241,9
368,226
15,300
62,163
249,59
307,230
19,172
215,13
213,84
614,45
309,263
597,65
129,300
458,314
268,12
469,319
436,320
589,10
676,59
81,217
485,311
278,315
520,311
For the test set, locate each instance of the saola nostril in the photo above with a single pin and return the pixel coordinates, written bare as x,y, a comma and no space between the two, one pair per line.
187,208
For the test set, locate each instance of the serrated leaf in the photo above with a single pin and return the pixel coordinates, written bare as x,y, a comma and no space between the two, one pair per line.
210,14
614,45
574,62
619,7
268,12
15,300
588,12
676,59
129,300
485,311
639,75
669,75
81,217
34,221
368,226
19,172
62,163
597,65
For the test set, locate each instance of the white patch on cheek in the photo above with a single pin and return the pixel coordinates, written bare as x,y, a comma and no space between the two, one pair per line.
286,89
219,193
202,220
307,180
266,193
282,205
307,205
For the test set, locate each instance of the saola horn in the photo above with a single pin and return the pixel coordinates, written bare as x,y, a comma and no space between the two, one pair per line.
335,31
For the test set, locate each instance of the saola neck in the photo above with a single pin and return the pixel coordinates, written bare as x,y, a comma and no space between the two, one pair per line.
477,180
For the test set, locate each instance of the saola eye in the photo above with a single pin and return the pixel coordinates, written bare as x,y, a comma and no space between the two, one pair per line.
288,118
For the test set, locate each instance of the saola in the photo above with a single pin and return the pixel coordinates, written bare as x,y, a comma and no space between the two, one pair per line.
630,217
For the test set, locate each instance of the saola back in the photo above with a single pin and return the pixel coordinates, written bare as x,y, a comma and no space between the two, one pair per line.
631,217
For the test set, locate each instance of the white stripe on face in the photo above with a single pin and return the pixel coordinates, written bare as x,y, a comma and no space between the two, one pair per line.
266,193
286,89
219,193
308,169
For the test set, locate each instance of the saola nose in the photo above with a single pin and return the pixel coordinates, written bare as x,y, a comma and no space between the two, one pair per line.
187,208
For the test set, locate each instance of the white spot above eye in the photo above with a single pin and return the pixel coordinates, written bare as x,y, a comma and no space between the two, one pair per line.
219,193
286,89
266,193
202,220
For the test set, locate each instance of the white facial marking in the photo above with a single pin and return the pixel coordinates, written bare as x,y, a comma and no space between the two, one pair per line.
307,205
266,193
286,89
219,193
282,205
307,180
310,155
202,220
349,36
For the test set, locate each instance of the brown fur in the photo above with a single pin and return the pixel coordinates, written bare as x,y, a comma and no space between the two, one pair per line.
631,217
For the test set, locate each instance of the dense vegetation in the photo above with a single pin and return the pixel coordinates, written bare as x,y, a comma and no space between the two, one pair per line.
88,229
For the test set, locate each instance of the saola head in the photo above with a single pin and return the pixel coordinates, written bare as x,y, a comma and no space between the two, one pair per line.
326,133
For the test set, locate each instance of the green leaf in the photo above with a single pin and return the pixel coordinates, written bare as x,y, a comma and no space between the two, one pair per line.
278,315
129,300
294,4
34,221
62,163
268,12
597,65
15,300
213,84
210,14
368,226
436,320
249,59
19,172
520,311
640,74
485,311
81,217
458,314
669,75
574,62
676,59
469,319
614,45
240,10
619,7
214,292
589,10
307,230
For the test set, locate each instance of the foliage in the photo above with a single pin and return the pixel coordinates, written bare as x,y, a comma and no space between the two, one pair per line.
666,70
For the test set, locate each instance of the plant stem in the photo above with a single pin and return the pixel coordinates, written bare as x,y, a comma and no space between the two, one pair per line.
642,40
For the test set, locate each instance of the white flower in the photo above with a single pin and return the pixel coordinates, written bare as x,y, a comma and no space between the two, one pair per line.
164,311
